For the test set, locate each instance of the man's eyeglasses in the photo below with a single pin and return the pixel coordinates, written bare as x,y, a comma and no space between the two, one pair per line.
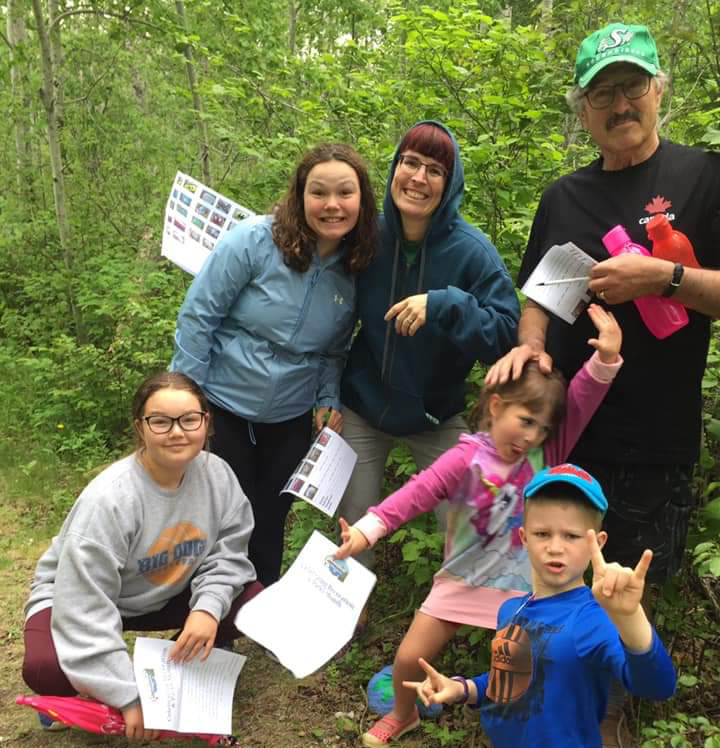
602,96
412,166
191,421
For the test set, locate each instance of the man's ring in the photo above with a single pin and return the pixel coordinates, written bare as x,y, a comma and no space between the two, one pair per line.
601,294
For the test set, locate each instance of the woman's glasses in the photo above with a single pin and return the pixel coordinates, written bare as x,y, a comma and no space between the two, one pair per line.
191,421
412,166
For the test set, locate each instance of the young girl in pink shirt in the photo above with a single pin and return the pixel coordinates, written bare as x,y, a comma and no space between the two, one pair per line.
482,479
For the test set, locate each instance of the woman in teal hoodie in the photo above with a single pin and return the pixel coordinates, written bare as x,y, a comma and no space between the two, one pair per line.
265,327
436,299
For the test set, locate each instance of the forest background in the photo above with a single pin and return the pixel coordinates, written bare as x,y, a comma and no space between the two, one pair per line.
104,101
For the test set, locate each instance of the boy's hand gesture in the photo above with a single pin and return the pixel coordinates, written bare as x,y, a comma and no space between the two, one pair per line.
609,338
436,688
619,590
353,541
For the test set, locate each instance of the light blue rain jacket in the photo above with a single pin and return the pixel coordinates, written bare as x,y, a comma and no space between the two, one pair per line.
264,341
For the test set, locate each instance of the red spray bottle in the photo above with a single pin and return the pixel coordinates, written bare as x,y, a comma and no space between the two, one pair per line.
670,244
661,316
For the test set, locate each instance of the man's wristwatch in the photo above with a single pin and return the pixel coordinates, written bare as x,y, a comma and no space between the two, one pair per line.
674,283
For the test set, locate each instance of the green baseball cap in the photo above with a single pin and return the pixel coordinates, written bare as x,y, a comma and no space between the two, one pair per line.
617,42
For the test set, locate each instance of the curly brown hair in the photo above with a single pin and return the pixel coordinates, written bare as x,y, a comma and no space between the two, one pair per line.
294,237
533,389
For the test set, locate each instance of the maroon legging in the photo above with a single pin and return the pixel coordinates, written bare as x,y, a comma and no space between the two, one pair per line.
42,671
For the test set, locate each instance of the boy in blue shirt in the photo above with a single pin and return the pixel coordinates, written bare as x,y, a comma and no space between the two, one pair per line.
557,649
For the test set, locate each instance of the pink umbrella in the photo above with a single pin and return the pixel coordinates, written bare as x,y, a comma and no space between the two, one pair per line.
94,716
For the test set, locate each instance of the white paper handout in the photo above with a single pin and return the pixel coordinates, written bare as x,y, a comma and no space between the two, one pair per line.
324,472
190,697
567,300
311,612
196,218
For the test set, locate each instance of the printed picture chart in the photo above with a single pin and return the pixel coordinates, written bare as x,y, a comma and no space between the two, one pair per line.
196,219
323,474
567,300
190,697
310,613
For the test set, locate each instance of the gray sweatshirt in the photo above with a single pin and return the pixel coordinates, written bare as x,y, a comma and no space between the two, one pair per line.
125,549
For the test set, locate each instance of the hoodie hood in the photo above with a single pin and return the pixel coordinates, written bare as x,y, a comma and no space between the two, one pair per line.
408,384
446,214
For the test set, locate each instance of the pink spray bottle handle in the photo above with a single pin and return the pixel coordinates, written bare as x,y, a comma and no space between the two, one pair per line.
661,316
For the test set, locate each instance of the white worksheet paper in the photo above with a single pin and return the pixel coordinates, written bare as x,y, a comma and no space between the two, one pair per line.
307,616
196,219
324,472
567,300
189,697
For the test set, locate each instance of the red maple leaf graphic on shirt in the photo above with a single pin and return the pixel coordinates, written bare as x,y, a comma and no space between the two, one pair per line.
658,205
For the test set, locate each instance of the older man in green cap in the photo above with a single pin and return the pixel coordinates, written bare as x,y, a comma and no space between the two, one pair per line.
645,438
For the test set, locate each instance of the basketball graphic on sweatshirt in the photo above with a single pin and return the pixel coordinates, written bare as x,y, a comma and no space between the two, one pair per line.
173,554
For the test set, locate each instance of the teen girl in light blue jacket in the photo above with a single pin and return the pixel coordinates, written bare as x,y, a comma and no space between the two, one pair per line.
265,328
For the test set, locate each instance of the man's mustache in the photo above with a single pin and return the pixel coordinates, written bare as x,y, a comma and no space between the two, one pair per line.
620,119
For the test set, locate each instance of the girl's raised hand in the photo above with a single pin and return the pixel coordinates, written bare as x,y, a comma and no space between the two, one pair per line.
198,633
609,338
436,688
353,541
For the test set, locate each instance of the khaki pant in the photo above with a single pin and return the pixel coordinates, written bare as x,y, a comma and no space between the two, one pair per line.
373,447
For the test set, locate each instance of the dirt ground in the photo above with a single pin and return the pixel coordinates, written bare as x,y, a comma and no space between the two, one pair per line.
272,708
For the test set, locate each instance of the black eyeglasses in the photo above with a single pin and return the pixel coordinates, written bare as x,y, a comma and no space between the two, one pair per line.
191,421
412,166
634,87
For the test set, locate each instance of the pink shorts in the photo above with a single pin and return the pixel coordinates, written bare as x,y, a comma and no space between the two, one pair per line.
457,602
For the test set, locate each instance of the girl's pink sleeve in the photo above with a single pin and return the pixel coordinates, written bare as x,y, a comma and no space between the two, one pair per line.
585,393
427,489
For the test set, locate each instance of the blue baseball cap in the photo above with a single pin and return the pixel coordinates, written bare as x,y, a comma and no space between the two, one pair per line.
575,476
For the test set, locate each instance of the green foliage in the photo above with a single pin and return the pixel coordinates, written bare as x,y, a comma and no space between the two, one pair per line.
421,546
706,556
469,651
303,520
81,391
357,662
443,735
682,731
359,71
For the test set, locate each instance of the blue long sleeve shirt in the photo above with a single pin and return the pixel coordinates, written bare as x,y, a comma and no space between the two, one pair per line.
552,663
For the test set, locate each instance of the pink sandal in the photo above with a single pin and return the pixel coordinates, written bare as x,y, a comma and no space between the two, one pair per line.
387,729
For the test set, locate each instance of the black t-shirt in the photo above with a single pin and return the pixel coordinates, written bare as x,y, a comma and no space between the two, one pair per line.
652,413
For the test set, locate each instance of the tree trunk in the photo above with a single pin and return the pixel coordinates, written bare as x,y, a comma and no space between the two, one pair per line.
197,101
56,165
17,37
56,55
546,16
292,26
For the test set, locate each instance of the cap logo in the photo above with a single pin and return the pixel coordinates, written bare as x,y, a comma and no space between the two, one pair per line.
568,469
616,38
